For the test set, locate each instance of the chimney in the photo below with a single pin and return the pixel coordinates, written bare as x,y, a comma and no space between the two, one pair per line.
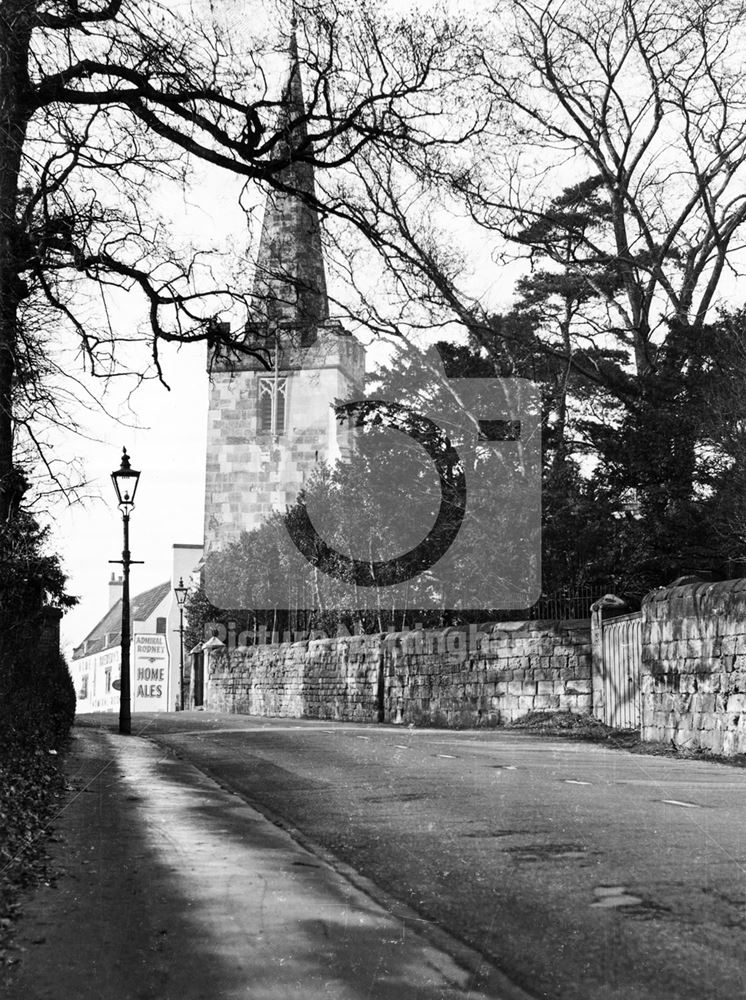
116,585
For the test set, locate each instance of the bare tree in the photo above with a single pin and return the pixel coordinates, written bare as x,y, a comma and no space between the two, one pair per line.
646,101
103,100
642,105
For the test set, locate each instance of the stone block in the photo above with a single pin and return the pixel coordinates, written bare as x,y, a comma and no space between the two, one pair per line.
684,736
728,743
710,721
729,645
568,701
739,644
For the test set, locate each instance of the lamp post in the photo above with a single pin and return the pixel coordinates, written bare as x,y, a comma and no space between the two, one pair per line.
181,595
125,481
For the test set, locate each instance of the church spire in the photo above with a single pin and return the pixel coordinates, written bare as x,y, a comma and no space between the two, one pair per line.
290,282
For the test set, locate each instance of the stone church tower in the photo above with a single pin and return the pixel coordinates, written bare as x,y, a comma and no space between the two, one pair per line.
269,427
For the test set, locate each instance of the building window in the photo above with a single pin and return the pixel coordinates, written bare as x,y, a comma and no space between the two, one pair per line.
107,674
272,393
160,626
83,691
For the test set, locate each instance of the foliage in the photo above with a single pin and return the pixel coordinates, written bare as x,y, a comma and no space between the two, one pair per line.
29,576
633,496
37,706
31,782
198,612
37,703
37,700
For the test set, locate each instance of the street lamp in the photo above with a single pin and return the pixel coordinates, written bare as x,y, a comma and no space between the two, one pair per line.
125,480
181,595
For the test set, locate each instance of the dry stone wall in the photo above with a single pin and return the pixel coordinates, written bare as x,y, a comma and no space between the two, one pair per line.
694,666
480,676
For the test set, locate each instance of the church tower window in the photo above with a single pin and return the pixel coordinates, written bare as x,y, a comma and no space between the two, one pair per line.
272,395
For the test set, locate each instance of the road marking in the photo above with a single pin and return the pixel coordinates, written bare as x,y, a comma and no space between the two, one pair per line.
612,902
573,781
200,733
675,802
449,755
400,747
510,767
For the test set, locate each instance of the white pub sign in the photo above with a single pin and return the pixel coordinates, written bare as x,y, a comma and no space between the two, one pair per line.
150,668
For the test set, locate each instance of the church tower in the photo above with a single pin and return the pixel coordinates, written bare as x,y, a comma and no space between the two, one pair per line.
270,427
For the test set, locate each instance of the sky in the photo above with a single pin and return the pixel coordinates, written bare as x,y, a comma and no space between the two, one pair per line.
169,449
163,430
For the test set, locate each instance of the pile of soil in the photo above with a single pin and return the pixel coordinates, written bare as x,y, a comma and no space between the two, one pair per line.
569,725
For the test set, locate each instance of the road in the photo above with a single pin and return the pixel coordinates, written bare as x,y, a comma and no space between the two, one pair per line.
579,871
169,887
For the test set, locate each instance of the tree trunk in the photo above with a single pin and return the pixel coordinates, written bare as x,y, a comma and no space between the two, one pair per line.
16,21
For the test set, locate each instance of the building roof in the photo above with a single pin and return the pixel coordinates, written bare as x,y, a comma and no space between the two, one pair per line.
108,632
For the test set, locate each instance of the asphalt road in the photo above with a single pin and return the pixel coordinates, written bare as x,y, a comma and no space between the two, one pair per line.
581,872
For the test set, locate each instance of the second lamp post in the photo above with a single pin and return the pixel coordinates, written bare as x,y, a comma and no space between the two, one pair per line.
181,595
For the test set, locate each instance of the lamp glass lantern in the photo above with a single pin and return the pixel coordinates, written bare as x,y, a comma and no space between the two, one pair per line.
181,592
125,481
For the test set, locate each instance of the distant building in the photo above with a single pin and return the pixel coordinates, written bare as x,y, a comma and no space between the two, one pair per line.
270,427
154,651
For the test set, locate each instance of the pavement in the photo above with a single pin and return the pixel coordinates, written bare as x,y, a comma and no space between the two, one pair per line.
171,886
581,872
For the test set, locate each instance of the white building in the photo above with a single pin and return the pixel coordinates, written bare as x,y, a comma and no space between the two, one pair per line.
154,651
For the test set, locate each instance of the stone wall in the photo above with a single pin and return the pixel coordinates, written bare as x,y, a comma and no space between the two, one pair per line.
485,676
694,666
